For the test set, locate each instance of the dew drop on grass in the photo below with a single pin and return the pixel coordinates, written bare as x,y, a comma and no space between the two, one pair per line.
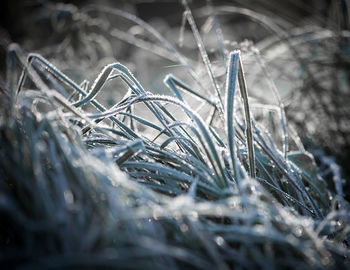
253,188
194,215
184,227
298,231
68,196
219,240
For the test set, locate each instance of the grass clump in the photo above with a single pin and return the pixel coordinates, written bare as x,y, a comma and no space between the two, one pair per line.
153,181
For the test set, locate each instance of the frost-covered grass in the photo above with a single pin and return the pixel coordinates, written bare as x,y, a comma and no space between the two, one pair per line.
154,181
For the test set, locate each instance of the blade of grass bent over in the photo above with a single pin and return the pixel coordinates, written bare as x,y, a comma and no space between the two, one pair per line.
203,134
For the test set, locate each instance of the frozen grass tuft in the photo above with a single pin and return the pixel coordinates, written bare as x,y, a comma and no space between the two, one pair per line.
154,182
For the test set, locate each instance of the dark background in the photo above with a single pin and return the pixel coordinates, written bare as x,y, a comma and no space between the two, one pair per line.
14,14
